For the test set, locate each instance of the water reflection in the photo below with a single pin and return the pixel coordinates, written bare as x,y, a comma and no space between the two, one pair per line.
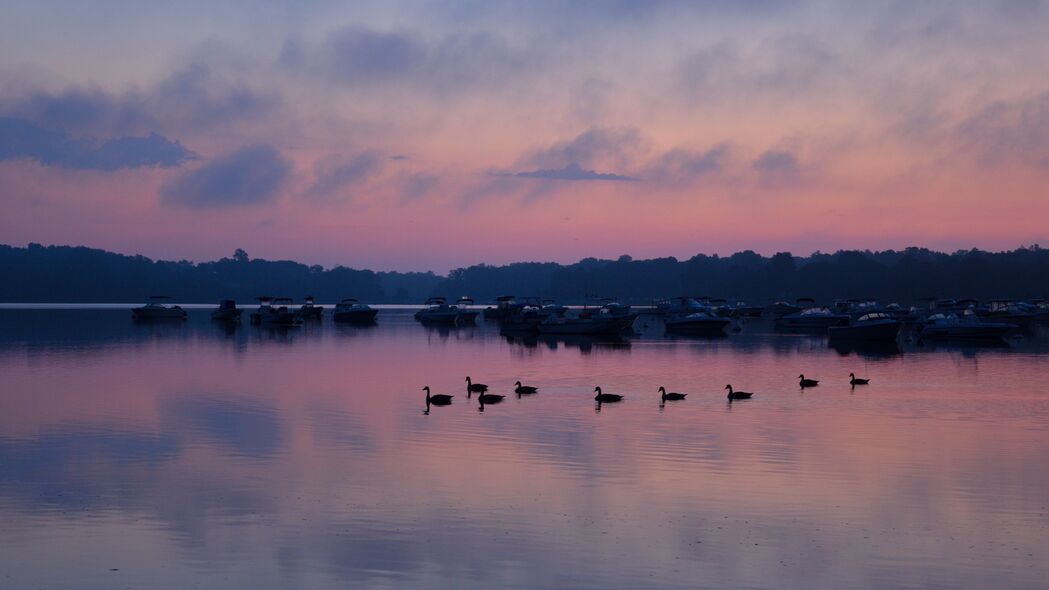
196,455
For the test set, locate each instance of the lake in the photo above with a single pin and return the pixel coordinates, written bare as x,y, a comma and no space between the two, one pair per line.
178,455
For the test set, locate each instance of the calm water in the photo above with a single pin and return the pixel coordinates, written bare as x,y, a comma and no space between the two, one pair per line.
188,455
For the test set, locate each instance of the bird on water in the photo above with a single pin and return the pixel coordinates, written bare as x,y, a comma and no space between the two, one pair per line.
472,387
853,380
733,395
607,397
439,399
808,382
672,396
524,389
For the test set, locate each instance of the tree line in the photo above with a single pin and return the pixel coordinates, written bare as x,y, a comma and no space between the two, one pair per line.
78,274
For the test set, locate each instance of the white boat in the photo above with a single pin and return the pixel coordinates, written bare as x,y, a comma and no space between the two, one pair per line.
439,311
813,319
274,313
703,322
600,323
156,310
870,327
967,327
351,311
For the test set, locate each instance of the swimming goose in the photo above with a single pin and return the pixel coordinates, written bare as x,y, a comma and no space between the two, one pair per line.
524,389
439,399
808,382
854,381
607,397
737,394
672,396
472,387
490,398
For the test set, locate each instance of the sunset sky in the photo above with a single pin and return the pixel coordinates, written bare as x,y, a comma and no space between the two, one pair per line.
430,135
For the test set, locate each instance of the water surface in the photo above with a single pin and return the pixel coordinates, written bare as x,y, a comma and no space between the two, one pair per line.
175,455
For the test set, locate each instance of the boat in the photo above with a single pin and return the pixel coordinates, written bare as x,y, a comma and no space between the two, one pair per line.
549,307
870,327
505,306
1009,312
439,311
351,311
275,313
701,323
227,311
782,308
677,306
813,319
309,310
156,310
603,322
967,327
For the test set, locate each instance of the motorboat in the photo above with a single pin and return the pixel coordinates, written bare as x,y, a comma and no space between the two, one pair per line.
1009,312
227,311
813,319
552,308
966,327
782,308
701,323
439,311
156,310
275,313
870,327
676,306
351,311
505,306
310,310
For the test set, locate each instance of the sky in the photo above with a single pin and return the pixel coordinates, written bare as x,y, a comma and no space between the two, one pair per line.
431,135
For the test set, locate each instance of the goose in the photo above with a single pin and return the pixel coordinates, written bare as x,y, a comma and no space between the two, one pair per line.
672,396
490,398
854,381
737,394
808,382
607,397
524,389
472,387
439,399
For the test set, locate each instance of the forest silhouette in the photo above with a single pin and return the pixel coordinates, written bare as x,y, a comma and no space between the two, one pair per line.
84,275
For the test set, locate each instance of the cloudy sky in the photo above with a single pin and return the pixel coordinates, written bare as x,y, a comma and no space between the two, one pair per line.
429,135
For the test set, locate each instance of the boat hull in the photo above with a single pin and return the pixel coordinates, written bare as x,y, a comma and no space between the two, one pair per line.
880,331
357,316
167,313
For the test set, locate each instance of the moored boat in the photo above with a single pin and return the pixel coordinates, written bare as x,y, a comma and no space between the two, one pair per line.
351,311
275,313
870,327
227,311
156,310
967,327
813,319
310,310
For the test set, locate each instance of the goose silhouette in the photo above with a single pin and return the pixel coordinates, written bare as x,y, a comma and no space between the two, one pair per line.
734,395
672,396
524,389
607,397
808,382
438,399
853,380
472,387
